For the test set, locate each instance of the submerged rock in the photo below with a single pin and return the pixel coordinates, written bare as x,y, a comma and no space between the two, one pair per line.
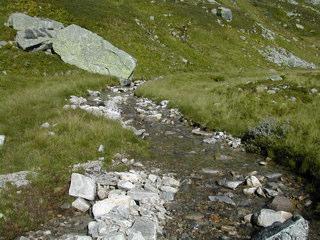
87,50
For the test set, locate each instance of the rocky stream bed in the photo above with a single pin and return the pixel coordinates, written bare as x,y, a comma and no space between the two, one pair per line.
215,185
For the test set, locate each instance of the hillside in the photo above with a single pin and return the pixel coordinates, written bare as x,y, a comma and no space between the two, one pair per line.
220,74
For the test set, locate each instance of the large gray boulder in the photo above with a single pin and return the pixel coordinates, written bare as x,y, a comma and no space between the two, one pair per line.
296,228
33,33
21,21
87,50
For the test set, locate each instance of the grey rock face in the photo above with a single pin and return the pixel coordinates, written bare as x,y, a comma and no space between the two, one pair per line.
87,50
296,228
82,186
21,21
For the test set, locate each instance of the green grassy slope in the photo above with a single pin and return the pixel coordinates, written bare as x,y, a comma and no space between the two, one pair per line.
188,47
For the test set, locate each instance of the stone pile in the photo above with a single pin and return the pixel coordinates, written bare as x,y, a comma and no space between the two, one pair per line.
74,44
124,205
282,57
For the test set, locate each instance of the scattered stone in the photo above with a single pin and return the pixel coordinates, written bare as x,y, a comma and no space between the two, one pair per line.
101,149
253,181
224,13
229,184
126,185
81,205
273,176
2,140
75,237
295,228
82,186
45,125
140,195
223,199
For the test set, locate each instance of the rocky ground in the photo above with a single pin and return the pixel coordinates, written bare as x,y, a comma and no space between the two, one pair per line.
217,191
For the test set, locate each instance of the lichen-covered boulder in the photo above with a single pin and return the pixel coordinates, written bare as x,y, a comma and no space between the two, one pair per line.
87,50
21,21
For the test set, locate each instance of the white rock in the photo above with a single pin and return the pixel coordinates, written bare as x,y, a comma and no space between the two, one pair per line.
249,191
168,181
126,185
101,149
45,125
82,186
169,189
103,207
2,140
132,177
267,217
253,181
81,204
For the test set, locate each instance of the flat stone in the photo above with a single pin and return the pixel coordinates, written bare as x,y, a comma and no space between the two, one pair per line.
223,199
88,51
103,207
82,186
139,195
126,185
229,184
274,176
146,227
295,228
81,204
210,171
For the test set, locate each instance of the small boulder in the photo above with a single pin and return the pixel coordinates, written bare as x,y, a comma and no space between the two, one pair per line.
225,13
253,181
82,186
267,217
81,205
